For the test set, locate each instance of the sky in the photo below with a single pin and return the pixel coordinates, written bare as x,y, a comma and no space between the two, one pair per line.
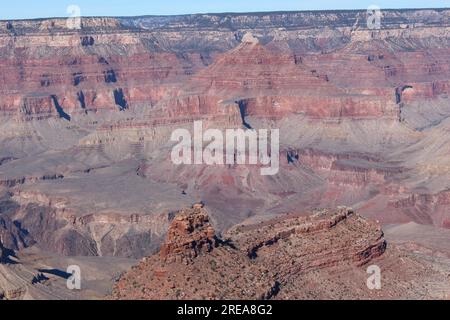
26,9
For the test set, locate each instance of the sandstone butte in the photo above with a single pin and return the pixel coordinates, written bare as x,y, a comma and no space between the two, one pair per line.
86,177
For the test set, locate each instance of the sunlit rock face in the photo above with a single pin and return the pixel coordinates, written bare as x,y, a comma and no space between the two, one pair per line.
86,118
288,257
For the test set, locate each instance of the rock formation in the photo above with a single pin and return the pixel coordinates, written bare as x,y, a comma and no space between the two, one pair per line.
12,236
190,234
263,260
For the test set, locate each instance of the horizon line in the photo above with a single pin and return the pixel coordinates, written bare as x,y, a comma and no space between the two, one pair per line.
223,13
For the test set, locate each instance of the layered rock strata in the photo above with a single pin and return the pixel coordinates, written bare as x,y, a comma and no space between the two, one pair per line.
252,261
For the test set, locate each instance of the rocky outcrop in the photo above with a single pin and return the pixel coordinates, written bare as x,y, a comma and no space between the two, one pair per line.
253,261
267,241
190,234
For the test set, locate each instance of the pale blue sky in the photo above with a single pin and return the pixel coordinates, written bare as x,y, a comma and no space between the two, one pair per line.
21,9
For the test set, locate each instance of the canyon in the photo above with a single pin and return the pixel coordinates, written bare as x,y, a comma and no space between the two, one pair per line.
86,176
